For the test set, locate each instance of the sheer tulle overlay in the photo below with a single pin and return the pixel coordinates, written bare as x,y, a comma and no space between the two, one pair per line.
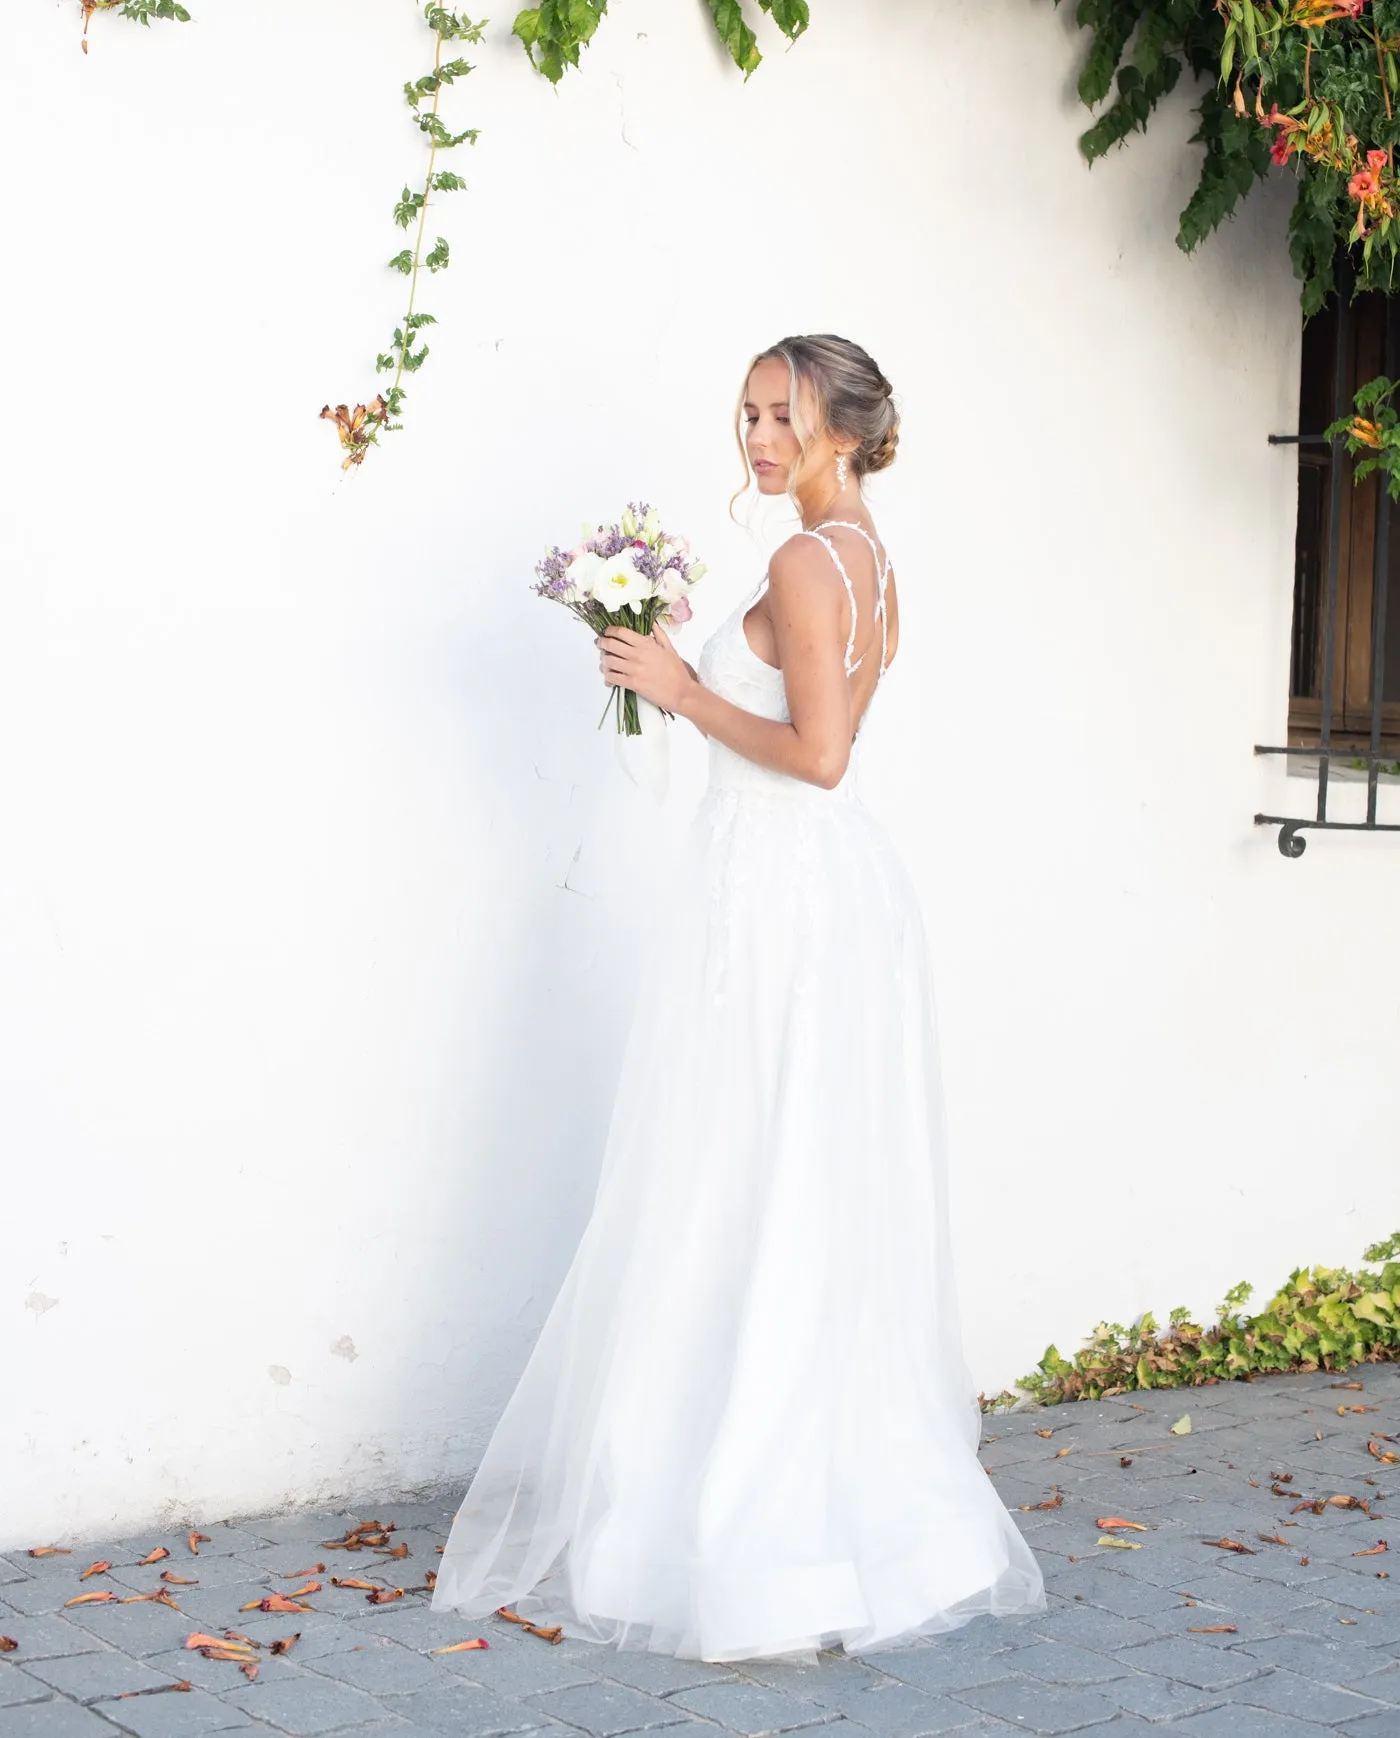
747,1428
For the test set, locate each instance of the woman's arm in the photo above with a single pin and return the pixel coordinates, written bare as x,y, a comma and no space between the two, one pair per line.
805,600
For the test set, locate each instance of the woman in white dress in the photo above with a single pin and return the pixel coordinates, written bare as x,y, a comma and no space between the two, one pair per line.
747,1428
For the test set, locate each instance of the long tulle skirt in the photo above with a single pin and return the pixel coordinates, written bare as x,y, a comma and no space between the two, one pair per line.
747,1428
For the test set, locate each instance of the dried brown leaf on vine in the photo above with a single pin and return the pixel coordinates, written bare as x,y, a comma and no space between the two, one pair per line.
356,427
153,1556
96,1568
1236,1545
1375,1550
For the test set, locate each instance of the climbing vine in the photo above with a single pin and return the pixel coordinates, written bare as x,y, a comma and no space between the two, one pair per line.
141,11
1310,86
361,427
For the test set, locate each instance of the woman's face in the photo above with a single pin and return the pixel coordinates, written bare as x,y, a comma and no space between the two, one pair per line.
769,437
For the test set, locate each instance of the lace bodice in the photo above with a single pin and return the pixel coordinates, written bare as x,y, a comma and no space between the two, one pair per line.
730,667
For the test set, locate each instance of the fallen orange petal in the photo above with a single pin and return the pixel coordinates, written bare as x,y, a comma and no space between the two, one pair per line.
50,1551
178,1580
154,1556
1110,1521
90,1599
1375,1551
282,1646
8,1644
1212,1629
96,1569
460,1646
194,1539
384,1595
352,1581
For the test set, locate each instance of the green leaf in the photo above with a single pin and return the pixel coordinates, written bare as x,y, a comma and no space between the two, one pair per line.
735,34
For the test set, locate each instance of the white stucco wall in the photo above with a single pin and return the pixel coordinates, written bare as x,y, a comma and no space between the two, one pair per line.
317,885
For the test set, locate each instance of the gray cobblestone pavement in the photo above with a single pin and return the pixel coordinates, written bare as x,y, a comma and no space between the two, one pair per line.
1298,1634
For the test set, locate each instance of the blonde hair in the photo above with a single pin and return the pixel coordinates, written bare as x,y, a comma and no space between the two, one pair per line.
850,396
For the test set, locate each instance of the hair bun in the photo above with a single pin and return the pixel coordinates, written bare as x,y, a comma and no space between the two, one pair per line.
884,451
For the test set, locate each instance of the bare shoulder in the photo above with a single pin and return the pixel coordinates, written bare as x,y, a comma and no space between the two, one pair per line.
801,575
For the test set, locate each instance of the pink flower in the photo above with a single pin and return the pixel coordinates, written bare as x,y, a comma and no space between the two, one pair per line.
1378,160
1363,185
678,613
1281,148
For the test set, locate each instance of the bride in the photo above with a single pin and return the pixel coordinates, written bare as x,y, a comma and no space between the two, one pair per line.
747,1428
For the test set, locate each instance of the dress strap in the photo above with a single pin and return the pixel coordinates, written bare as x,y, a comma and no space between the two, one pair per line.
830,548
882,568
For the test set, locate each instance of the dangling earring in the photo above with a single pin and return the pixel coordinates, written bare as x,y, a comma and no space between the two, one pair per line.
840,470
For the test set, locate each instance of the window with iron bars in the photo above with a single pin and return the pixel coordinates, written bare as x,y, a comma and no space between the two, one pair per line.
1344,680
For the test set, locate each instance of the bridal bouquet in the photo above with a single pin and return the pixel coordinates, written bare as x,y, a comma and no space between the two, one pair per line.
631,575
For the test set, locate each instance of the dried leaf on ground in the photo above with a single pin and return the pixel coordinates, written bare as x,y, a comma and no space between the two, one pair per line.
1212,1629
285,1644
8,1644
157,1689
1235,1545
1049,1503
1182,1426
1120,1544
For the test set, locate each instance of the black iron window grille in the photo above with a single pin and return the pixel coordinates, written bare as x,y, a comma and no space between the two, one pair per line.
1344,685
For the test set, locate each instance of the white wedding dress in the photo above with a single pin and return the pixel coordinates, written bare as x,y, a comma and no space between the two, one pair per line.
747,1428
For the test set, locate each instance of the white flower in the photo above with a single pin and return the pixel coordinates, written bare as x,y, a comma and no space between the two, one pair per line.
629,522
651,525
581,574
616,581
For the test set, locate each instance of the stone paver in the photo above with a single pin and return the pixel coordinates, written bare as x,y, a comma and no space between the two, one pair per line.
1178,1636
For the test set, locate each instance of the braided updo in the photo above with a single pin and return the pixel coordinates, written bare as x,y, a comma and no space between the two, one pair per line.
851,396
